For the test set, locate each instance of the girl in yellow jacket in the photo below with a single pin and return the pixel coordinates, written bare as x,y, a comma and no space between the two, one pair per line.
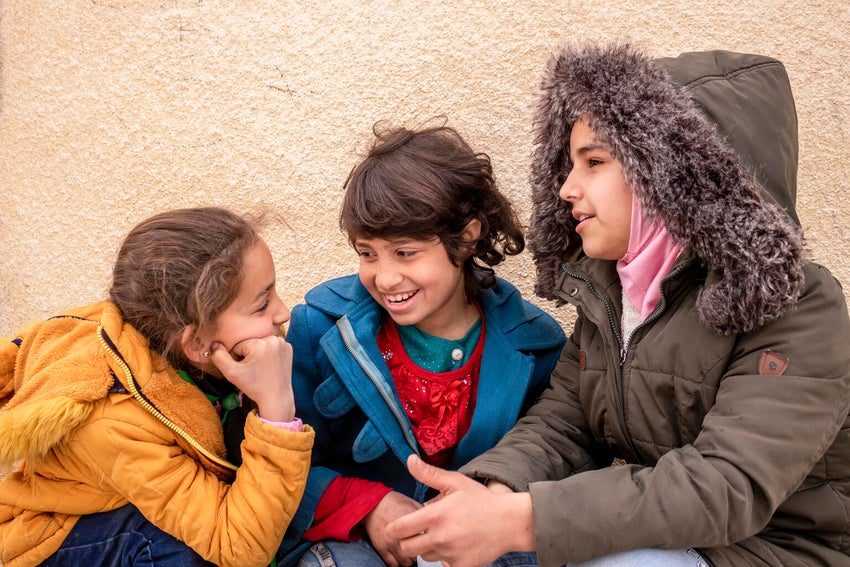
115,417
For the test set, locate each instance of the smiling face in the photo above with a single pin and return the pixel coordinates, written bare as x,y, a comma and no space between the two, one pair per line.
417,283
256,312
602,203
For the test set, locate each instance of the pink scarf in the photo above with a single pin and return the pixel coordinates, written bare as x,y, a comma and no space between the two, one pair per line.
649,258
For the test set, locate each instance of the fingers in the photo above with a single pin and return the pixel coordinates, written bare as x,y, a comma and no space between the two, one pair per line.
435,477
414,524
410,526
222,359
254,356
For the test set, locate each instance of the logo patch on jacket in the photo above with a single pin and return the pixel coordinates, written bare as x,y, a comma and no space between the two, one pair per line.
772,364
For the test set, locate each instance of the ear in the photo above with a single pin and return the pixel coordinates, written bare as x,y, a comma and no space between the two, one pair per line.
472,231
193,348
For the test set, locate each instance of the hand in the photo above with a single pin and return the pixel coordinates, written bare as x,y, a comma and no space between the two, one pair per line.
469,526
262,370
393,505
498,487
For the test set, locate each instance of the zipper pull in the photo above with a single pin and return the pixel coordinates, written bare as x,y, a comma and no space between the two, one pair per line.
622,356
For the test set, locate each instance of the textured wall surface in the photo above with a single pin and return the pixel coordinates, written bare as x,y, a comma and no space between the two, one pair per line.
111,110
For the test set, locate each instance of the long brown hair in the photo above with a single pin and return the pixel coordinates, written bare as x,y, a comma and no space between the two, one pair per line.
180,268
429,183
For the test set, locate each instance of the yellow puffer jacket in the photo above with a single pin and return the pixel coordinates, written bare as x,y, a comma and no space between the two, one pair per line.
91,420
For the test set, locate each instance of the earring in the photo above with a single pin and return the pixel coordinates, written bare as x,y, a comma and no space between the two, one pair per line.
206,354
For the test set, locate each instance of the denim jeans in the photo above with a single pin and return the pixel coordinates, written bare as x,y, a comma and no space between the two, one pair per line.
122,538
634,558
642,557
360,553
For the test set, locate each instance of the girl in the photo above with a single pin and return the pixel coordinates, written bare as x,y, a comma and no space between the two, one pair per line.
106,408
425,352
699,413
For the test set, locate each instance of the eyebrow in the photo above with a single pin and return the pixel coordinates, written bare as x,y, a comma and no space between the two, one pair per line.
401,240
590,148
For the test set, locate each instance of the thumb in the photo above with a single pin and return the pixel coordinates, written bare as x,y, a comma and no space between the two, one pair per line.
435,477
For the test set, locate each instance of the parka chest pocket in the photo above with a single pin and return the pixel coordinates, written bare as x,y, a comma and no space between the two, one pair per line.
332,399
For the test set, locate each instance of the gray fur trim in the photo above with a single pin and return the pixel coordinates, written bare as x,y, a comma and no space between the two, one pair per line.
681,170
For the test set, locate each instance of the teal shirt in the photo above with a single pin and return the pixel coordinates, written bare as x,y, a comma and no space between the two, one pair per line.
436,354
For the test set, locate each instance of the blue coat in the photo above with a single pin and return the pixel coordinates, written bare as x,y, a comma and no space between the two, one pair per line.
344,390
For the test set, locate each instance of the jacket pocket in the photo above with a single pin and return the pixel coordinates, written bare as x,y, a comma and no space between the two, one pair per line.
332,398
369,444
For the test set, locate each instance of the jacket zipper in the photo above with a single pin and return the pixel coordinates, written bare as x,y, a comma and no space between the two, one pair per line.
658,312
137,395
354,349
624,350
612,323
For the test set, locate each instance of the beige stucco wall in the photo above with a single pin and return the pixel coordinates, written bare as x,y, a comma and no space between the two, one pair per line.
111,110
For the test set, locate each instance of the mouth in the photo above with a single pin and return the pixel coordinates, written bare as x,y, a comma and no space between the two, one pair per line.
398,298
581,220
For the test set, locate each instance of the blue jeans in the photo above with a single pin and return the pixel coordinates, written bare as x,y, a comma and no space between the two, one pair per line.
642,557
122,538
331,553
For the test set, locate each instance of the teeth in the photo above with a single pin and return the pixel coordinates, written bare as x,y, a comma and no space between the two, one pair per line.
583,217
400,297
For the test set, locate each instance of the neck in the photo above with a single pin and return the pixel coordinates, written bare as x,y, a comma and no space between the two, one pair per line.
455,327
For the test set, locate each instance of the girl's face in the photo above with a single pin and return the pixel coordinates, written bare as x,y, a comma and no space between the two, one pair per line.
602,203
416,282
257,311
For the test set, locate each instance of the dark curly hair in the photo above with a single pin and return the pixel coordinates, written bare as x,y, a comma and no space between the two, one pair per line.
429,183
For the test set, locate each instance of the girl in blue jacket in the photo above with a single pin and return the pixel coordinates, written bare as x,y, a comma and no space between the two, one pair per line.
424,352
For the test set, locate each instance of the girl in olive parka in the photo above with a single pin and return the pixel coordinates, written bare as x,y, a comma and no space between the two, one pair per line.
701,403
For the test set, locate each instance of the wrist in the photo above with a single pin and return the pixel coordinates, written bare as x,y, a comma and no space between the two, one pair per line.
521,532
276,411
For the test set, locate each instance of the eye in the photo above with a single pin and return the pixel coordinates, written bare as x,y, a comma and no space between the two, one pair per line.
264,306
593,162
365,253
406,253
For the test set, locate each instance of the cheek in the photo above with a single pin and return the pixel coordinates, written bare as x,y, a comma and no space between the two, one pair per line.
368,275
625,210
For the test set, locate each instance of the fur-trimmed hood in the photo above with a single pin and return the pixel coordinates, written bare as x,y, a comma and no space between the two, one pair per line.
725,204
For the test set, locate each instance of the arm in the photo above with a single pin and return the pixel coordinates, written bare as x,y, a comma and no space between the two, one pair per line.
539,433
721,489
136,456
726,485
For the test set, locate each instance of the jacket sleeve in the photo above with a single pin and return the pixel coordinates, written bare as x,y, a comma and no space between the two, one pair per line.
231,524
757,444
306,327
551,441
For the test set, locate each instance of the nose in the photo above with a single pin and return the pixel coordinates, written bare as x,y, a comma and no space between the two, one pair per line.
282,313
386,276
570,189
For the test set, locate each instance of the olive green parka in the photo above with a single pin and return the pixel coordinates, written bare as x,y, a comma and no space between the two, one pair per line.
722,424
